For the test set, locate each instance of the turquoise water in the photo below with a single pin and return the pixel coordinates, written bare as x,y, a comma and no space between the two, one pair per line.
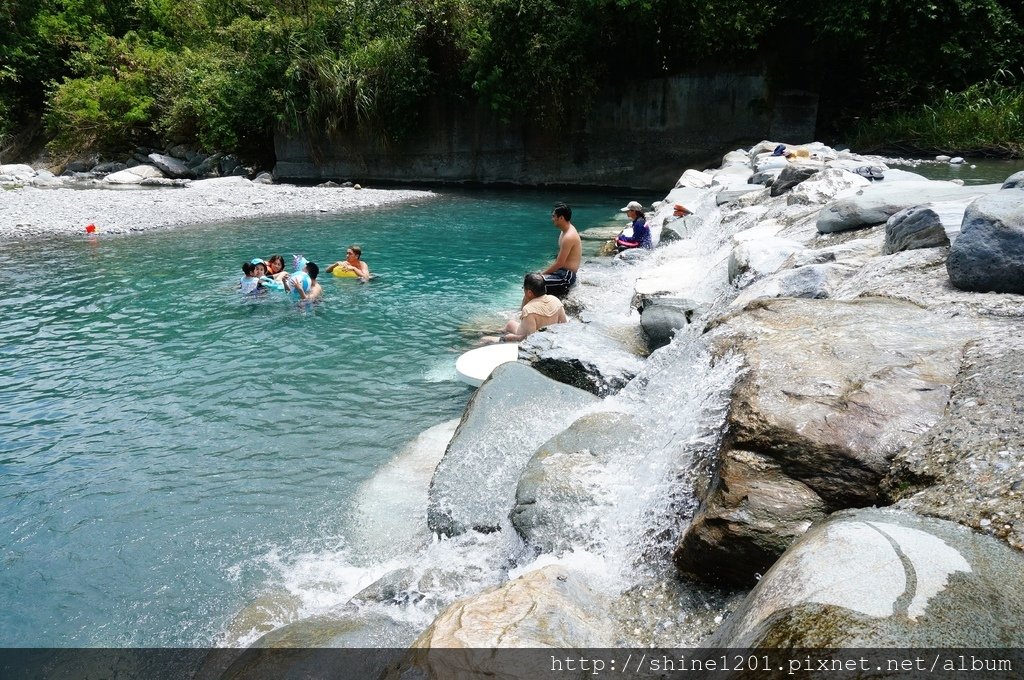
160,436
984,170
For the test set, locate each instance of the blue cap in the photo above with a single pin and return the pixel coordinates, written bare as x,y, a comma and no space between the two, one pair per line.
257,260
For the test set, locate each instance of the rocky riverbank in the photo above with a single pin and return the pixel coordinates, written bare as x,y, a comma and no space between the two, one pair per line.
36,204
824,336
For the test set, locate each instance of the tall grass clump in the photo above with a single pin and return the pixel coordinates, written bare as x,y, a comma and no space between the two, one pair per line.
987,119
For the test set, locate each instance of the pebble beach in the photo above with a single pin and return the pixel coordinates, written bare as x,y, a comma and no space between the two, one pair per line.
33,212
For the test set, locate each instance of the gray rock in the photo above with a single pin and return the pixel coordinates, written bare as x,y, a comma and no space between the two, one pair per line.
328,185
515,411
880,578
238,171
753,513
112,166
264,178
793,174
582,357
831,393
556,503
956,160
917,227
875,204
662,317
206,166
1014,181
347,185
765,177
814,281
180,151
989,254
970,466
943,158
228,163
134,175
79,166
172,167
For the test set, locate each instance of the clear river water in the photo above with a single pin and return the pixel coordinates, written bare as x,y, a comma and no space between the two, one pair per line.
170,451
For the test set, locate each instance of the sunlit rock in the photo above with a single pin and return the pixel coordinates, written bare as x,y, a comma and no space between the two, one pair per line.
824,186
881,578
549,607
1014,181
755,258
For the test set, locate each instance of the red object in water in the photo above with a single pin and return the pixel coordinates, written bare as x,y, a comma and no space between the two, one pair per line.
90,229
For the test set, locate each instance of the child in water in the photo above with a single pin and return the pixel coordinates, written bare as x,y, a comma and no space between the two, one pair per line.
252,271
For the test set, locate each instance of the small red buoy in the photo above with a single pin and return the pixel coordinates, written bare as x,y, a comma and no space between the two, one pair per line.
90,229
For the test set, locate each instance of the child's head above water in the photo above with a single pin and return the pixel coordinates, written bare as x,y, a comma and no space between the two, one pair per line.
247,268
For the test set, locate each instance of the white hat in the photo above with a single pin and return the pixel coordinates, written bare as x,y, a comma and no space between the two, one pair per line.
632,205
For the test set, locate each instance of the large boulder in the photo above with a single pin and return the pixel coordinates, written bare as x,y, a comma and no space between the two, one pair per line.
753,513
933,225
794,174
1014,181
989,254
557,502
824,186
875,204
970,466
133,175
881,578
171,166
583,357
662,317
515,411
832,391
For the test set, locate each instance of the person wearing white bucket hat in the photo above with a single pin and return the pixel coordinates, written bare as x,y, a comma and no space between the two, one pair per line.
637,234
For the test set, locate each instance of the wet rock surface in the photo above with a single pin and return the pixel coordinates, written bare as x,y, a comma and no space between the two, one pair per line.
516,410
596,363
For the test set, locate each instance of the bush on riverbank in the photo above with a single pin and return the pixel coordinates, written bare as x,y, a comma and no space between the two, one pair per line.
985,119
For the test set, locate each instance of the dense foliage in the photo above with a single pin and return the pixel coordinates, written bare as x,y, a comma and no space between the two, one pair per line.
108,74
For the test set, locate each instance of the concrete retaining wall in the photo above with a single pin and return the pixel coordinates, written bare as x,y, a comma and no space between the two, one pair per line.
637,139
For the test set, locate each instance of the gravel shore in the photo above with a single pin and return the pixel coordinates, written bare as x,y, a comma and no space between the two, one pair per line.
32,212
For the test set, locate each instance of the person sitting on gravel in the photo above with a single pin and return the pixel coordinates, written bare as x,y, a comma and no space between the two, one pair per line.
637,234
539,311
353,263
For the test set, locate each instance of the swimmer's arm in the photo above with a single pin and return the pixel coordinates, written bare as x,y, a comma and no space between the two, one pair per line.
332,267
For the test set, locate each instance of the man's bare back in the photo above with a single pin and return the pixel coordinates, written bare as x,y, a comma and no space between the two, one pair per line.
560,275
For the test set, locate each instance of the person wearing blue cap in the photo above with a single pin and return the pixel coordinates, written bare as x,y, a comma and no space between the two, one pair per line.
252,271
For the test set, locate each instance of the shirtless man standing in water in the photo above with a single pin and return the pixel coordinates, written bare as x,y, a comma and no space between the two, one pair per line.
561,275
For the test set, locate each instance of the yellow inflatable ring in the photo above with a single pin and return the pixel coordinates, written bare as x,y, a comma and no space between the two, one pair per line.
342,273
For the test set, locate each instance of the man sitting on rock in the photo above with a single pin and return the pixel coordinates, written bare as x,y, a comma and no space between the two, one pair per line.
539,311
